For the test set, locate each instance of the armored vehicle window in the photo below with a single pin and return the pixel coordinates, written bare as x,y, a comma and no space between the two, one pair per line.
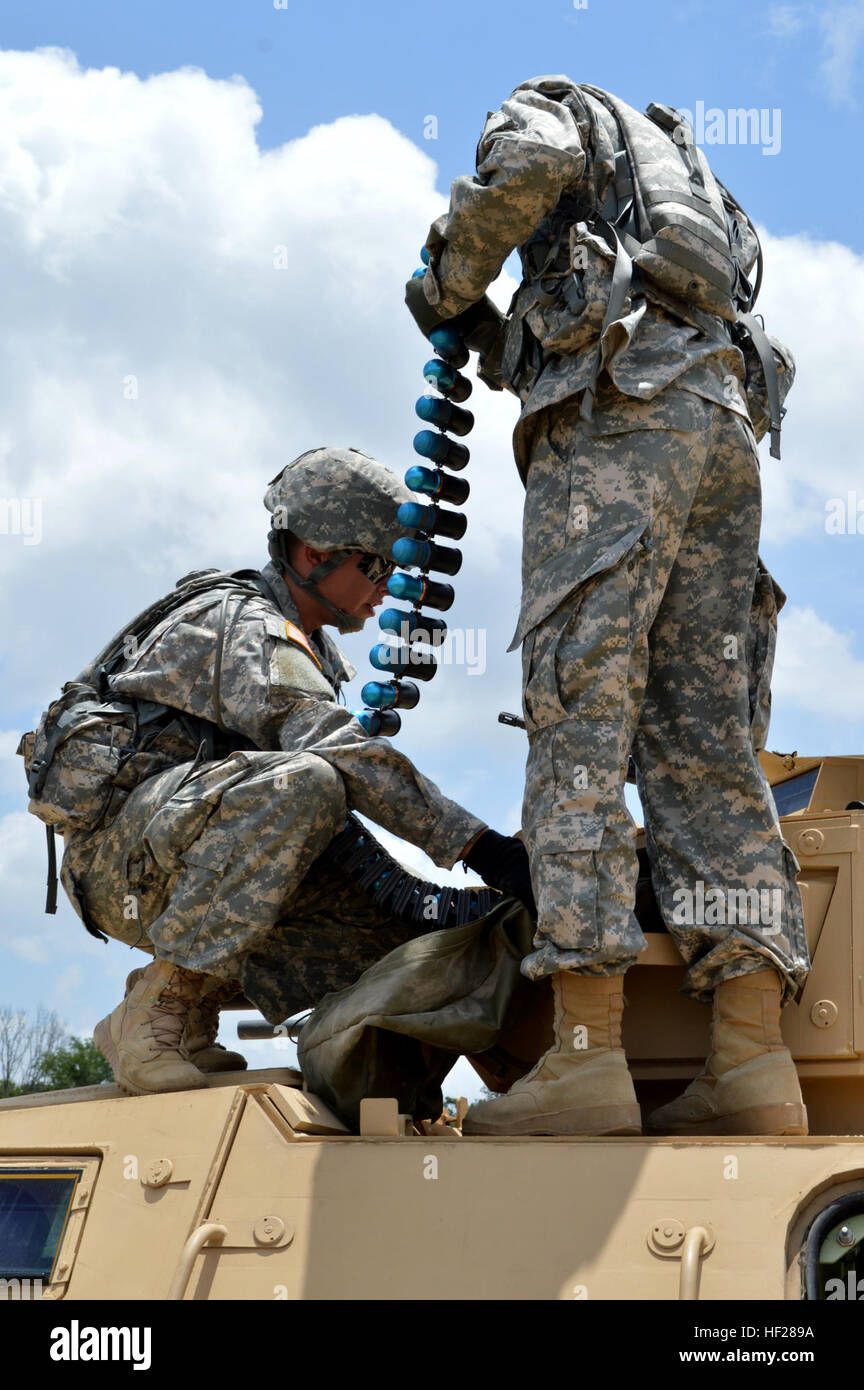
34,1209
795,794
834,1253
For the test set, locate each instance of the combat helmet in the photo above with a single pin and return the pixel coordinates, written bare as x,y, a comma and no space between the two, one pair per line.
339,500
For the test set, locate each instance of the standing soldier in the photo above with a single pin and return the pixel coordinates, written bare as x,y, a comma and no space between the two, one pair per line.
647,618
200,767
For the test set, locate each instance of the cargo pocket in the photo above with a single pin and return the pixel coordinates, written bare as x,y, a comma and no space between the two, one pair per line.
566,880
172,833
148,890
541,703
576,660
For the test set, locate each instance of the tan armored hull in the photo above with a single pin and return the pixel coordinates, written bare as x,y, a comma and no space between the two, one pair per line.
253,1189
230,1193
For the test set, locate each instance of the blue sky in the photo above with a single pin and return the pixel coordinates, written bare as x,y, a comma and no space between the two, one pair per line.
265,378
311,63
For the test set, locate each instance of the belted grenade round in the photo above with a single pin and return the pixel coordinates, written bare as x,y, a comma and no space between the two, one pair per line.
420,549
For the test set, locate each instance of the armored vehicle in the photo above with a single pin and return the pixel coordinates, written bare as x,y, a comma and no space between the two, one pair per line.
254,1189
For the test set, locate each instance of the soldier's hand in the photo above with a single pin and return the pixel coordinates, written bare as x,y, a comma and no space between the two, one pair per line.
477,326
424,315
502,862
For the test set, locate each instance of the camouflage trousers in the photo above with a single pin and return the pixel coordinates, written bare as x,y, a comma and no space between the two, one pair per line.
222,868
641,534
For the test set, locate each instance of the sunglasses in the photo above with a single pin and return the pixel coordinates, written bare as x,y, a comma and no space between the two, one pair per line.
375,568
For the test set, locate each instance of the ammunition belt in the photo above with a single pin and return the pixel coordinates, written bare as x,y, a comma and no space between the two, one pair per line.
359,855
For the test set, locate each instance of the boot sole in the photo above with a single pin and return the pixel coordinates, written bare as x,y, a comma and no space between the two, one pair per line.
599,1122
104,1041
766,1120
220,1067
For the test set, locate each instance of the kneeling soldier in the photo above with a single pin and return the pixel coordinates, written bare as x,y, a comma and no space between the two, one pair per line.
201,766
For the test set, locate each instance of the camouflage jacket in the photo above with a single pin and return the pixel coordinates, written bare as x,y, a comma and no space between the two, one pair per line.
278,689
550,139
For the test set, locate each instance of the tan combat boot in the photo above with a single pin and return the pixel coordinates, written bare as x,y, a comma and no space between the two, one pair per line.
582,1084
202,1025
749,1084
143,1038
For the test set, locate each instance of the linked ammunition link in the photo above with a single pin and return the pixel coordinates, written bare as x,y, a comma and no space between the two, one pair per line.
366,862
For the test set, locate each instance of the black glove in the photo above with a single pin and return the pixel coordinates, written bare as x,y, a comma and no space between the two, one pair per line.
502,862
478,326
422,312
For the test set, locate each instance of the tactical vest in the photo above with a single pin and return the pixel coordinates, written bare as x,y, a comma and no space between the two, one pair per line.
666,228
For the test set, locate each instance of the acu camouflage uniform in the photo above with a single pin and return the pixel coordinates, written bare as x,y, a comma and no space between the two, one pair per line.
221,866
647,621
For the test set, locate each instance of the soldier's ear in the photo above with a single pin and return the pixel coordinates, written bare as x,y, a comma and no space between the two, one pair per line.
315,557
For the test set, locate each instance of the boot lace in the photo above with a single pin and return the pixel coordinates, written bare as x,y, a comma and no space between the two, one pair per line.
168,1020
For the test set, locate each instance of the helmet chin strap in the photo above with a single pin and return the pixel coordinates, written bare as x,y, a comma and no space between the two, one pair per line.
345,622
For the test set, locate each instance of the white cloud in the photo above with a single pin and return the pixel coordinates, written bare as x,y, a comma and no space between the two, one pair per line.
816,669
786,20
157,368
813,300
26,931
842,29
22,872
12,776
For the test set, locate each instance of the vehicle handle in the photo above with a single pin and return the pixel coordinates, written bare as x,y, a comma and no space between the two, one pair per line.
696,1243
210,1231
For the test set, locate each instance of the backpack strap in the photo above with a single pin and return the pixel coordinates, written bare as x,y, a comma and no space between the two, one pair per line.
637,200
622,278
760,342
731,204
640,213
51,893
220,651
199,582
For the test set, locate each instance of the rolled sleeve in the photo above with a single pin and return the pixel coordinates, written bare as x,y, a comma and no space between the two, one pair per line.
529,154
380,782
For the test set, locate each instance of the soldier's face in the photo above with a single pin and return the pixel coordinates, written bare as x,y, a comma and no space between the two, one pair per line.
351,591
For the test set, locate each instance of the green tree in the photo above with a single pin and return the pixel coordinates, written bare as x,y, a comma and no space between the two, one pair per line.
77,1062
37,1054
